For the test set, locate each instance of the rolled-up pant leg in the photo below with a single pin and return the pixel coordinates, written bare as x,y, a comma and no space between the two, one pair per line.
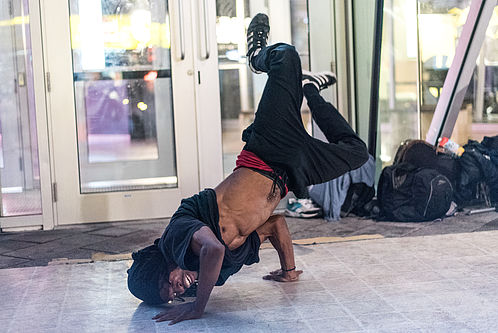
277,125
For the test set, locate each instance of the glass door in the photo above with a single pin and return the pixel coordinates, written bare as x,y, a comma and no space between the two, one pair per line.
123,95
19,167
121,83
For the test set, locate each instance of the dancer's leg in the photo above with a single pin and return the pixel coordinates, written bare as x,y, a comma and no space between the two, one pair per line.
278,126
326,116
345,150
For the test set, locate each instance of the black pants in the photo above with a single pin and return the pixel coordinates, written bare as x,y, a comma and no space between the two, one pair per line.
278,136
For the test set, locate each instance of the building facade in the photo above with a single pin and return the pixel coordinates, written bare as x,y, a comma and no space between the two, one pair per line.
115,110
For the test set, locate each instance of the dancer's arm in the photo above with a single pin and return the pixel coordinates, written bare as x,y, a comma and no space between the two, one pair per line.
276,231
211,252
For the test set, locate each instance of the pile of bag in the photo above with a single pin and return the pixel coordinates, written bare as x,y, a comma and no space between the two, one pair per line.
478,164
422,183
418,186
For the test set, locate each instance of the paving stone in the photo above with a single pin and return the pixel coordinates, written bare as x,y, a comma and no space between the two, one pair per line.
60,248
286,326
321,311
373,305
387,229
339,325
8,262
31,263
381,321
493,225
42,236
8,245
113,231
125,244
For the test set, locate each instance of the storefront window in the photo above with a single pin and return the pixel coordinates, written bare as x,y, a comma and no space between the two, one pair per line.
398,112
429,31
440,26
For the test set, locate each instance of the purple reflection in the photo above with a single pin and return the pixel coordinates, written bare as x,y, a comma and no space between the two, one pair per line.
106,107
120,119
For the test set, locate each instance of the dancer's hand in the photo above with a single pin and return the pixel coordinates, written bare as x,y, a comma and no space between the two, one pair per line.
282,276
179,313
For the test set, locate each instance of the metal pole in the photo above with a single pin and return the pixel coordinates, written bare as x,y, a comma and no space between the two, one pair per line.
374,88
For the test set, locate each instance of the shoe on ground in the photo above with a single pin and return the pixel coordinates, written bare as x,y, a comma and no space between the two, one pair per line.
320,80
257,38
302,208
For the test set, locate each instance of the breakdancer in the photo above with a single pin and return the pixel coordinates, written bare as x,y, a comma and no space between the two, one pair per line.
214,233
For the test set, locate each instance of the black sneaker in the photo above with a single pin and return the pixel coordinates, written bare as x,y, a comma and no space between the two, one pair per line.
320,80
257,37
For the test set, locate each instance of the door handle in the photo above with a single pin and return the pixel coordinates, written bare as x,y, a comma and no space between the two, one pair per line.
182,30
207,52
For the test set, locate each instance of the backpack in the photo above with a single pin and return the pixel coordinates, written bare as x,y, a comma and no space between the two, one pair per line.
357,198
421,154
410,194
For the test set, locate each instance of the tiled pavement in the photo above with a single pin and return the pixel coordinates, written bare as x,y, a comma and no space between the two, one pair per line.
441,283
82,242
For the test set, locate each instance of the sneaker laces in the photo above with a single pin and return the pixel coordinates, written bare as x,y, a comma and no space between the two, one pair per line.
257,41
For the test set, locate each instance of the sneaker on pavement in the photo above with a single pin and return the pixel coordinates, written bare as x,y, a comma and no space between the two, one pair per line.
320,80
257,38
303,208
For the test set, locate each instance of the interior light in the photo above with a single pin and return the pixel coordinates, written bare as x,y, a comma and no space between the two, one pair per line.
126,101
439,61
434,91
233,55
229,30
150,76
91,35
113,95
140,22
142,106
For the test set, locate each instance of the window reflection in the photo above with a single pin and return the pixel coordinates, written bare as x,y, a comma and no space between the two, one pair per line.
20,192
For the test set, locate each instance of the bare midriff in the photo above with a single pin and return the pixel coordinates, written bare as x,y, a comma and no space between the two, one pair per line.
244,203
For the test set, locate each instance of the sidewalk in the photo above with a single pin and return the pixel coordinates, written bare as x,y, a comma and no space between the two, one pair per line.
105,241
441,283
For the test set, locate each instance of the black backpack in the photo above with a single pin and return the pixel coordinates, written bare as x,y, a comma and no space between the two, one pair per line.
421,154
357,198
410,194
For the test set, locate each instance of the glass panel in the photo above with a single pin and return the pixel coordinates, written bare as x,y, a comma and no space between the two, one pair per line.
398,115
241,89
19,174
123,94
478,115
